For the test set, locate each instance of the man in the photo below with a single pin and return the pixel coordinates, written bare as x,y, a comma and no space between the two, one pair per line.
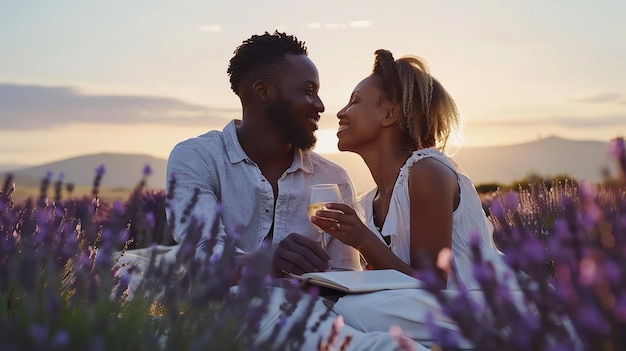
259,169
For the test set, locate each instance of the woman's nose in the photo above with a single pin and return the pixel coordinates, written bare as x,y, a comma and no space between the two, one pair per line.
341,113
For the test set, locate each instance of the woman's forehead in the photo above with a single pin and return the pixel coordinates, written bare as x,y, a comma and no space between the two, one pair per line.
368,84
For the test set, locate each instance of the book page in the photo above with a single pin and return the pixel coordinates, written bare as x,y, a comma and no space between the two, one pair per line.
361,281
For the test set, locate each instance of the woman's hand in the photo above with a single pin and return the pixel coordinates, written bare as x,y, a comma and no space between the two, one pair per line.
342,222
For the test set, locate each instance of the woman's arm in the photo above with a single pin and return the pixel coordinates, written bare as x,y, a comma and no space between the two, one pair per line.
434,195
433,192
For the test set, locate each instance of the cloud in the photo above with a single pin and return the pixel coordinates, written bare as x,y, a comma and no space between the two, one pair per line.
24,107
314,25
213,28
602,98
567,122
343,25
335,25
360,24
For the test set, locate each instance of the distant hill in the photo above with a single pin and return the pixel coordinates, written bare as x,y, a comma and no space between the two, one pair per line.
10,166
505,164
502,164
546,157
121,171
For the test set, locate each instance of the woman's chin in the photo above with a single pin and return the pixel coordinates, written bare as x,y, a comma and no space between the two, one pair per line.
343,147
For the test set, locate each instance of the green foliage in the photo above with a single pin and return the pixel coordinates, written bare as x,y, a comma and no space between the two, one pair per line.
487,188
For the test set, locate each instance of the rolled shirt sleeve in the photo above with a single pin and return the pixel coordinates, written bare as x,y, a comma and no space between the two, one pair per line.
188,172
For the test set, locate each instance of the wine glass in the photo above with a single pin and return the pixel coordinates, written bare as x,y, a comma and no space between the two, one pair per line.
321,194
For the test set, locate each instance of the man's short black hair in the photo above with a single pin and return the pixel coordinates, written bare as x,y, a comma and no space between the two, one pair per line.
262,57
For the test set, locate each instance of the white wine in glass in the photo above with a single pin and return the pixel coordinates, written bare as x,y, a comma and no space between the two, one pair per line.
321,194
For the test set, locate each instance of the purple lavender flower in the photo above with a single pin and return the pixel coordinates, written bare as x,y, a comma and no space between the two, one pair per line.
618,149
39,333
100,171
612,272
580,230
591,320
147,170
60,340
620,309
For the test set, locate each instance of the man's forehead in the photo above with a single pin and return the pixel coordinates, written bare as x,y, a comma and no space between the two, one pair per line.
302,70
299,59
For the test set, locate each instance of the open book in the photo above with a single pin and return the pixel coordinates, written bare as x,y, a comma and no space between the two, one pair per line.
361,281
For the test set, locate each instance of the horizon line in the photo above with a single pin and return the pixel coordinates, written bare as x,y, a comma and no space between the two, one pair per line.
20,166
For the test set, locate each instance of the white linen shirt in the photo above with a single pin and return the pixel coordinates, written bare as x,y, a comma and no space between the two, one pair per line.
217,166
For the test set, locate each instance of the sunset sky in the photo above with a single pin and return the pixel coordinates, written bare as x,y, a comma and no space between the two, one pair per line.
80,77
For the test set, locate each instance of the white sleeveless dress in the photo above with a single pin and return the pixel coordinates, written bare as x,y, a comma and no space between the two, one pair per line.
414,309
469,221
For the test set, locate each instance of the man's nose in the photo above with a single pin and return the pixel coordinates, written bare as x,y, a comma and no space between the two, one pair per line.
319,105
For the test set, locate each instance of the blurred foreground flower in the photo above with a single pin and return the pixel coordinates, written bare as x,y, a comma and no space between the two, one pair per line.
567,245
59,290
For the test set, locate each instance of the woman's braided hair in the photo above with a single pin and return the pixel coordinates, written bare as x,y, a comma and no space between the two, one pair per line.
428,112
262,57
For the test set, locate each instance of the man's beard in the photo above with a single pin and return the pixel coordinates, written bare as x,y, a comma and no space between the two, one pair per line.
282,116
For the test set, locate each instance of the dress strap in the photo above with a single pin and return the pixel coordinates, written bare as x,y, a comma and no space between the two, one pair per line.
386,238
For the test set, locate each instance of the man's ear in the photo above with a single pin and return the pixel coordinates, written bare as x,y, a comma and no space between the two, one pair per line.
392,115
263,91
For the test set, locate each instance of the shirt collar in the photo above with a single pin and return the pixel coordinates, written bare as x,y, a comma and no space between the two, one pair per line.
233,148
301,159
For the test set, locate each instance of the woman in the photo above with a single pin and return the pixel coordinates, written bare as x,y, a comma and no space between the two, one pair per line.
423,210
398,120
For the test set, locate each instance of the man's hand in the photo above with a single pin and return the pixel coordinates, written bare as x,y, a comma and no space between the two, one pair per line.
298,254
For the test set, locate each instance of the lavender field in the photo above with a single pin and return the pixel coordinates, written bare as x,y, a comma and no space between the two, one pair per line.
59,291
